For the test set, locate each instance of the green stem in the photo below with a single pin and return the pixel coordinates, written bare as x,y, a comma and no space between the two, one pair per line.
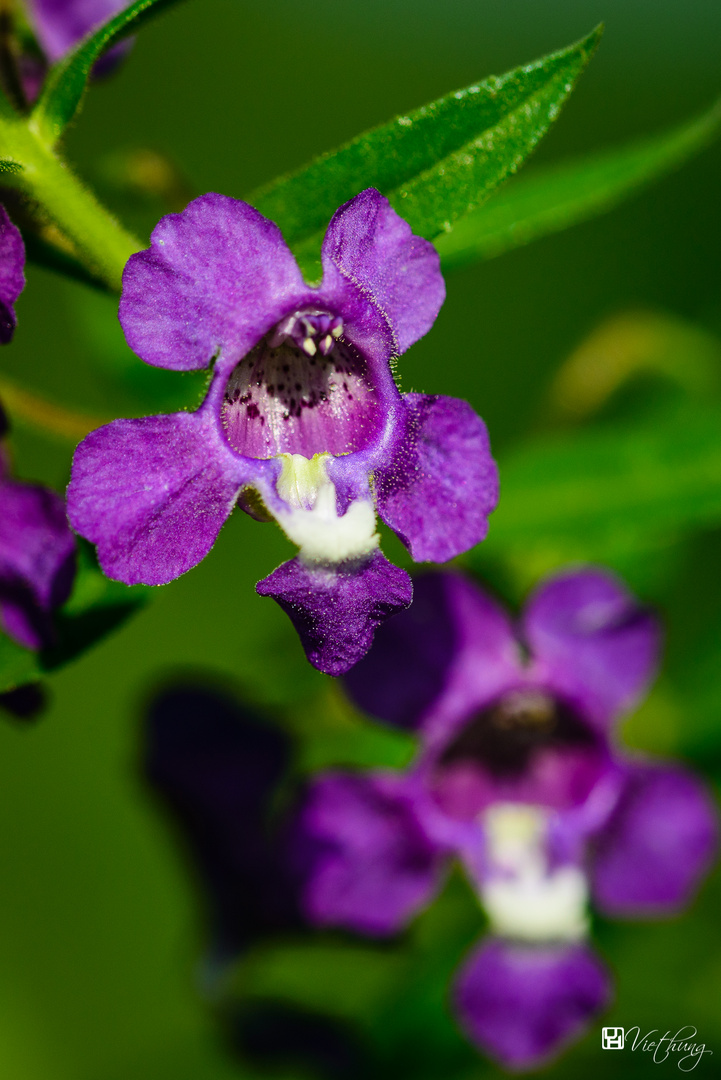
101,243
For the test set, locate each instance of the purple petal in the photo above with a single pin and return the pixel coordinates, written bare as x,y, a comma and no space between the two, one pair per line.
216,278
658,845
442,484
61,24
522,1004
592,641
153,494
450,653
336,609
369,865
216,767
37,560
370,252
12,278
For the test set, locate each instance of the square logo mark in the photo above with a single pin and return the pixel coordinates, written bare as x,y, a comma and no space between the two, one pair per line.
612,1038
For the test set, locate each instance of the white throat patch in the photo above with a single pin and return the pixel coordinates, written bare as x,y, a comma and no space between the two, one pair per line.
522,896
312,520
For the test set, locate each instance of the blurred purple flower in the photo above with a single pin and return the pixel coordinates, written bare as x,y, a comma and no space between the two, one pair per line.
37,557
517,776
302,421
58,26
216,767
61,24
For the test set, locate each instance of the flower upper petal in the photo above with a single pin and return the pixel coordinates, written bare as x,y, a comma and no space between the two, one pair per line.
369,252
215,279
153,494
593,642
442,483
336,609
658,844
37,559
12,278
450,653
370,866
522,1003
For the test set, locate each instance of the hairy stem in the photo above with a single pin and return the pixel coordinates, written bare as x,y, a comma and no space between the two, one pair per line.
100,242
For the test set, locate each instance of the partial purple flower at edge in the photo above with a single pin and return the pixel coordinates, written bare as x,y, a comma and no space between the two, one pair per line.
302,413
59,26
519,777
12,276
37,558
37,548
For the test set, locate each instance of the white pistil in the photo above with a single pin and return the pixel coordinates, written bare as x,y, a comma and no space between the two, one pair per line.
523,896
312,520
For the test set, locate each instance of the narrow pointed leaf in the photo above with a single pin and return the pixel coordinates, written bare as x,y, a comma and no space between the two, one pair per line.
438,163
562,195
67,80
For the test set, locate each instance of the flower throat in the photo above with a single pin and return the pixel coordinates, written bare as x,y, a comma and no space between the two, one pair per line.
302,389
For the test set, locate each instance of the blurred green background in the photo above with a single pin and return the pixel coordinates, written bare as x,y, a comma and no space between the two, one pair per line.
100,932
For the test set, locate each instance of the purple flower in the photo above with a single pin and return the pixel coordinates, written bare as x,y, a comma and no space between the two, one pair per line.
302,422
37,558
12,277
517,776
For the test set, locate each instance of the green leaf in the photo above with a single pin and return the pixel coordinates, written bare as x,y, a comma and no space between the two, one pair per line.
628,487
629,345
561,195
67,80
96,607
436,164
10,167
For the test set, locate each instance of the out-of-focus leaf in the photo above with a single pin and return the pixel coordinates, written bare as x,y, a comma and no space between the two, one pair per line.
36,412
439,162
561,195
96,607
67,80
624,346
633,486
